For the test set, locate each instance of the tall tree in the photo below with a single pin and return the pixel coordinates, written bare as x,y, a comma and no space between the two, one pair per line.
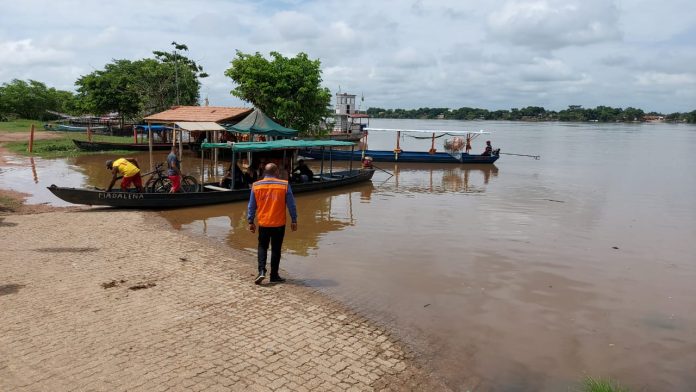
137,88
287,89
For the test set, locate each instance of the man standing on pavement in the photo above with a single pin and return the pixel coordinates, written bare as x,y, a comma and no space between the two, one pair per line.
268,201
174,169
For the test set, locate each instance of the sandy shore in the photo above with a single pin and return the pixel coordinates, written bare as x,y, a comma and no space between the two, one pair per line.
116,300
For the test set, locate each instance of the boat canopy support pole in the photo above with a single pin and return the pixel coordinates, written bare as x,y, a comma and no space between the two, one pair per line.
321,170
149,142
350,165
397,150
330,162
202,170
234,169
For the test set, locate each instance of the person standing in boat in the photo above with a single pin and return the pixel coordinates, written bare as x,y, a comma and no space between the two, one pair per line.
489,149
127,168
269,199
174,169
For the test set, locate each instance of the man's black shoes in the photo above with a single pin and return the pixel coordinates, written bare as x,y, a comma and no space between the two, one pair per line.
277,279
260,278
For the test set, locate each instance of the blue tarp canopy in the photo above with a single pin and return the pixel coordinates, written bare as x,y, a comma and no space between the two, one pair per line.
153,127
284,144
257,123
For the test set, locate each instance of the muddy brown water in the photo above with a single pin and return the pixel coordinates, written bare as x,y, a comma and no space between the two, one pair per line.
522,276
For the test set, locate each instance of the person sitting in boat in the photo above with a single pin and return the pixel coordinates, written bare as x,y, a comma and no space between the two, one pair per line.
302,172
129,170
239,182
489,149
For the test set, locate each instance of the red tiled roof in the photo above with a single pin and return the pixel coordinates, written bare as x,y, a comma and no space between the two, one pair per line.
199,113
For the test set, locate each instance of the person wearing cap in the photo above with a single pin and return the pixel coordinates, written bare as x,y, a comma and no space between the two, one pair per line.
268,200
489,149
129,170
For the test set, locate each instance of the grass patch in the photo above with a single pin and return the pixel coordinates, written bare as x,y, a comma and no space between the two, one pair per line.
20,125
61,148
9,204
598,385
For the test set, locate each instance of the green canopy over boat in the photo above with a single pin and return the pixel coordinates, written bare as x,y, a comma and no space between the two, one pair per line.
257,123
283,144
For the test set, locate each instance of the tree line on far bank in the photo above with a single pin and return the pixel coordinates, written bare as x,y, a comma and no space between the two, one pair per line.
534,113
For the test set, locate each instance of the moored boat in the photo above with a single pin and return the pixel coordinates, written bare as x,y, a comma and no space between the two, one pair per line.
108,146
453,149
404,156
211,192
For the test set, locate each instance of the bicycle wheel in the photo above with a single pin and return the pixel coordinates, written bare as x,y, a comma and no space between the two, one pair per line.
189,184
160,185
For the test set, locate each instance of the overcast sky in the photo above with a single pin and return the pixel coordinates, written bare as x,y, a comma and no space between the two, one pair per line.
399,54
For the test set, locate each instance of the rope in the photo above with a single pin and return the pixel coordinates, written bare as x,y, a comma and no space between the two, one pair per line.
430,137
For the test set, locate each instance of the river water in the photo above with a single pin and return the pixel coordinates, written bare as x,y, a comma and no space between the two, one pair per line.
526,275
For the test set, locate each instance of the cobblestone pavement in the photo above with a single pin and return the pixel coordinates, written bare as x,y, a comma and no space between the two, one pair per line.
84,308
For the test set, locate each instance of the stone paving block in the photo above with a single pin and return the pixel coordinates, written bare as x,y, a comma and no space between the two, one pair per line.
76,324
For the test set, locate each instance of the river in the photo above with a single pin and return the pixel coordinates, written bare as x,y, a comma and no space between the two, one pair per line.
526,275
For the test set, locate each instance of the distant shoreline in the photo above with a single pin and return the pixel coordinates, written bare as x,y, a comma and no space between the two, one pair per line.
574,113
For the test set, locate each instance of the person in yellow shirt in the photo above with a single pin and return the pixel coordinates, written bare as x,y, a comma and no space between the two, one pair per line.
127,168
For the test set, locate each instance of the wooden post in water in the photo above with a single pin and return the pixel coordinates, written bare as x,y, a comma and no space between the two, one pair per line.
31,138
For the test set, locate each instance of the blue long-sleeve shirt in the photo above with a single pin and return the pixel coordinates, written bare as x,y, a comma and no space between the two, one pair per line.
289,203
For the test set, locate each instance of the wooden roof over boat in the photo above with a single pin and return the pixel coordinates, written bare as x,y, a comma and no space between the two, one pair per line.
215,114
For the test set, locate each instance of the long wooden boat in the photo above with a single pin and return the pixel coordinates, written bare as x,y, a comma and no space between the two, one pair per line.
398,155
73,128
108,146
210,193
404,156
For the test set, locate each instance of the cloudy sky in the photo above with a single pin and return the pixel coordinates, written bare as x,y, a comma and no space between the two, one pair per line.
399,54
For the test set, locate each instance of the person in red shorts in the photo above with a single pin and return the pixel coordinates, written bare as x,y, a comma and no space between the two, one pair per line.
174,169
127,168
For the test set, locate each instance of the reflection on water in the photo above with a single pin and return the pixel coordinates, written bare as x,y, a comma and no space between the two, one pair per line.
524,276
318,213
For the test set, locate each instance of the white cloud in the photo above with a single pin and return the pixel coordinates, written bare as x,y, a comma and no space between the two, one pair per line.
450,53
24,52
552,24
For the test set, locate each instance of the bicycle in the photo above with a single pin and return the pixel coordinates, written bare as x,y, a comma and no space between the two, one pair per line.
159,182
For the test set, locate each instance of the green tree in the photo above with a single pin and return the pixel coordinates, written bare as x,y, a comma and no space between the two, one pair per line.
31,99
287,89
113,89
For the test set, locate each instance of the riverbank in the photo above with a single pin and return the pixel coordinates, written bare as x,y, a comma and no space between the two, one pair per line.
105,300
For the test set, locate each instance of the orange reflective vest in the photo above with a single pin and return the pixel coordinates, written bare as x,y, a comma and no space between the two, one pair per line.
268,199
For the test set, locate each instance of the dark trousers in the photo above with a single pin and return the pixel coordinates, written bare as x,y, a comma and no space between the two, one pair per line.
274,236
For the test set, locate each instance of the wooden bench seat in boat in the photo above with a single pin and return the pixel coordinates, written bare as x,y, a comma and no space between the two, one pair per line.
216,188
